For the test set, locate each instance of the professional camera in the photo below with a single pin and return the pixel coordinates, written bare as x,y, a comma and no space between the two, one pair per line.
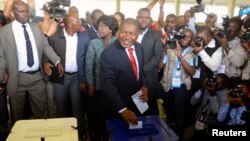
224,31
199,7
210,82
198,41
56,7
246,35
2,85
173,38
236,93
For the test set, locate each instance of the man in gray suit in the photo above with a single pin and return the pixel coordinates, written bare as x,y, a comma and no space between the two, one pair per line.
25,77
152,50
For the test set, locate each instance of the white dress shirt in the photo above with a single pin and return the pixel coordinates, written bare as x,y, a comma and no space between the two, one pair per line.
21,47
71,51
213,62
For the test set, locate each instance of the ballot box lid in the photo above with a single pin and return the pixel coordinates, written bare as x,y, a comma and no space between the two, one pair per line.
55,129
118,130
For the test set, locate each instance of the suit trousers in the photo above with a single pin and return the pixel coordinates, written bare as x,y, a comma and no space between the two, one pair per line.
51,107
34,86
68,97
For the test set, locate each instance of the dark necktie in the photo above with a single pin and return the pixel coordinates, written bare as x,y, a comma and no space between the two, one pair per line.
30,59
133,62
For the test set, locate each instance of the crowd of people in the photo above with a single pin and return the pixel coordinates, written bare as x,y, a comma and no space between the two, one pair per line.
90,69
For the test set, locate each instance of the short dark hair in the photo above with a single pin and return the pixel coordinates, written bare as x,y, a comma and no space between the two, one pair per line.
120,14
109,21
205,29
236,20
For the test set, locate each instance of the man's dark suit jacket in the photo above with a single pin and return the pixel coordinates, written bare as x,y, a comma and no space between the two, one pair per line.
152,48
58,42
89,34
118,81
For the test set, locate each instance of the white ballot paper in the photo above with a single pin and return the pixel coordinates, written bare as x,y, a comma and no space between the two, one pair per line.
142,106
138,126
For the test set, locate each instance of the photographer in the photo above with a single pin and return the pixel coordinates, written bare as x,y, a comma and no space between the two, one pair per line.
236,110
209,52
210,98
246,68
176,81
245,43
234,55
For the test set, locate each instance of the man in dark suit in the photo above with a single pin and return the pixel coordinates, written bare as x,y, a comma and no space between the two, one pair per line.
25,75
120,82
152,49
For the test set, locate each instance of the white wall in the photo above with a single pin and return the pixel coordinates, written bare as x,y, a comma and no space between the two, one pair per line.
130,8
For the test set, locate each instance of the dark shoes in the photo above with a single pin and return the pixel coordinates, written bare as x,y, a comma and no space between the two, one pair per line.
83,135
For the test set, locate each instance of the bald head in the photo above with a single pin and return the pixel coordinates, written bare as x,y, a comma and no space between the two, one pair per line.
69,18
20,11
131,21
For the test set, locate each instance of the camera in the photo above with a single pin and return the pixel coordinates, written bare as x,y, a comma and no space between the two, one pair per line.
173,38
210,82
2,85
246,35
56,8
198,41
199,7
236,93
225,24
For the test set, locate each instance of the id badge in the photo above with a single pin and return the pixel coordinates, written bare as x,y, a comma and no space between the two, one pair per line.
197,73
178,73
176,82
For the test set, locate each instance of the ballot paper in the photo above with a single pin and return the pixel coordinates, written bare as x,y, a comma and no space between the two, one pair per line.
142,106
138,126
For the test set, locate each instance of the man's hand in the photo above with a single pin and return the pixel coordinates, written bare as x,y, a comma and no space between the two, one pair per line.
91,90
5,77
223,41
130,117
144,95
82,87
60,69
47,68
178,50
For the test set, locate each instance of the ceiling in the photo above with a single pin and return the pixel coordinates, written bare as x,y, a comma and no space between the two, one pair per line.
214,2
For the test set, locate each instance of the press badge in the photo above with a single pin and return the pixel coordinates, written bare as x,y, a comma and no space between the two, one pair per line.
176,82
178,73
197,73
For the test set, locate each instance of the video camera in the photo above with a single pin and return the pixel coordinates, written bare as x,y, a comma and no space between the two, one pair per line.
236,93
199,7
246,35
223,31
173,38
210,82
56,7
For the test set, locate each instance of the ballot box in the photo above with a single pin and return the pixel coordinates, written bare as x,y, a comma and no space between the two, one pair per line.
56,129
153,129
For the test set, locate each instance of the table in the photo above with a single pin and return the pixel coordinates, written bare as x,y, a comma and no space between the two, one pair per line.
55,129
